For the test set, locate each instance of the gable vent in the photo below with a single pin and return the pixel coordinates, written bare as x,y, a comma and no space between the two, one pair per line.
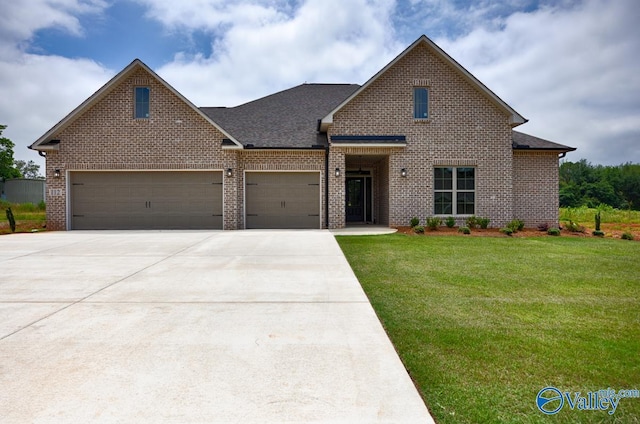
141,81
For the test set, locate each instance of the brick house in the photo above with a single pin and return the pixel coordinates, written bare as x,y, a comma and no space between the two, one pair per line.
423,137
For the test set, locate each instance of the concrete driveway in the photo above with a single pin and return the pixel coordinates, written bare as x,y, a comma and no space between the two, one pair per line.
192,326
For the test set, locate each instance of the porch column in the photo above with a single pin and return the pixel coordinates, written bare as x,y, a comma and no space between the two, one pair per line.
336,189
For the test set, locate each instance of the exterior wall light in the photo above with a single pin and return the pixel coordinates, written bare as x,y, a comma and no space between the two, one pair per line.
56,173
337,172
403,172
229,172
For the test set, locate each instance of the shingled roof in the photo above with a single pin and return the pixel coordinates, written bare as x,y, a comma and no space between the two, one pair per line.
287,119
526,141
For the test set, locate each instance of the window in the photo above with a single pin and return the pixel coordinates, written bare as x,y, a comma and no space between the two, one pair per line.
420,103
454,191
142,102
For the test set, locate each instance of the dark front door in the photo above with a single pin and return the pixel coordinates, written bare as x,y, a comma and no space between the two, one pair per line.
355,199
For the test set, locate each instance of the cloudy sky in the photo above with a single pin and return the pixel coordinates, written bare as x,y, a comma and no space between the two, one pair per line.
572,67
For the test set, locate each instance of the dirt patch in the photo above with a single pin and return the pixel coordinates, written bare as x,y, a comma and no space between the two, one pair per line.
23,227
610,230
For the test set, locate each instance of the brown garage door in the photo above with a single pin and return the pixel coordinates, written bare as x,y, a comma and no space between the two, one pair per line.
146,200
282,199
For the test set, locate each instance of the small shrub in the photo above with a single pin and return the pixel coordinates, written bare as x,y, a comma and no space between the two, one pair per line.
553,231
464,230
507,230
626,236
418,229
414,221
574,227
11,219
433,223
598,233
515,225
484,223
450,222
543,227
472,222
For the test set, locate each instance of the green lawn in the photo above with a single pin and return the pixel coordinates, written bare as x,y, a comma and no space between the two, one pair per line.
483,324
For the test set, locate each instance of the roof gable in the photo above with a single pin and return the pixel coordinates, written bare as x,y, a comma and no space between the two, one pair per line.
515,118
45,143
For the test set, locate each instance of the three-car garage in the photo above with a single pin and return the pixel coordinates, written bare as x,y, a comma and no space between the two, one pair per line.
141,200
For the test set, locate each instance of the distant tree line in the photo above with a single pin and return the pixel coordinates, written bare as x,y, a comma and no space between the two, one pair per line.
584,184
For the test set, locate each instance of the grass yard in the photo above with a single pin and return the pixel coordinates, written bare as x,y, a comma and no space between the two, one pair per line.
483,324
28,217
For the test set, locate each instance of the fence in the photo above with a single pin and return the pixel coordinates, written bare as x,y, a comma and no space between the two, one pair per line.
23,190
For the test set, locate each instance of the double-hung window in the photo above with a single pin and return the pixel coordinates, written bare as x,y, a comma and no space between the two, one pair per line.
420,103
454,190
142,102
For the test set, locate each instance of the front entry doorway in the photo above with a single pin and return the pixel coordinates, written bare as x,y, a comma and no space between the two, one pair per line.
359,199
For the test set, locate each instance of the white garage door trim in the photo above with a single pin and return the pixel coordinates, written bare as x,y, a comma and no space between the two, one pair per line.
70,172
320,188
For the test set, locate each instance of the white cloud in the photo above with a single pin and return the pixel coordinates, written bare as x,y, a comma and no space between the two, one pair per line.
319,41
573,71
38,90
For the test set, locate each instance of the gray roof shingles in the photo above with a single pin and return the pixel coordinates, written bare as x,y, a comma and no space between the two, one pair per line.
526,141
287,119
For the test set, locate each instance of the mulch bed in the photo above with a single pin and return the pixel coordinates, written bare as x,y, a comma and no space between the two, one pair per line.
610,230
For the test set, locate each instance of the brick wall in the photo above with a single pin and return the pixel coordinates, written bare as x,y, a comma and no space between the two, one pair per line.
279,160
107,137
464,128
535,187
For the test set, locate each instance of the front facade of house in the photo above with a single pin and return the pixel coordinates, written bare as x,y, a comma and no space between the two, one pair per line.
421,138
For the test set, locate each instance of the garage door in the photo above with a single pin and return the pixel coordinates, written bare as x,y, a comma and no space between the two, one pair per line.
146,200
282,199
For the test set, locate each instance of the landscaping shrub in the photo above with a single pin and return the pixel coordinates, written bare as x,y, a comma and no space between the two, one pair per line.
464,230
543,227
433,223
450,222
484,223
507,230
598,233
515,225
627,236
418,229
472,222
414,221
598,221
574,227
11,219
553,231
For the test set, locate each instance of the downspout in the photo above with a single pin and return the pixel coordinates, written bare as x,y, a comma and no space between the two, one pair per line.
562,155
41,153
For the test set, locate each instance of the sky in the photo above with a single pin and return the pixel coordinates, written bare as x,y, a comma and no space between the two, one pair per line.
571,67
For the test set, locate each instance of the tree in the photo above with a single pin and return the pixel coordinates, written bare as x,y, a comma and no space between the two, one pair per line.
7,170
584,184
28,169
